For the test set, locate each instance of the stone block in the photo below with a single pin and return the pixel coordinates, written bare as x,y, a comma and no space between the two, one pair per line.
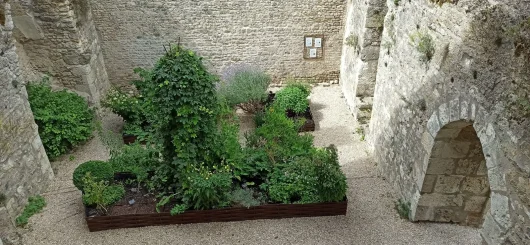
491,232
428,183
448,184
448,215
454,106
443,112
440,166
476,185
441,200
453,149
424,213
467,166
27,25
433,125
475,204
500,209
474,219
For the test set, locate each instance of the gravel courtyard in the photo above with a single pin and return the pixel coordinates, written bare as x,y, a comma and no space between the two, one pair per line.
371,218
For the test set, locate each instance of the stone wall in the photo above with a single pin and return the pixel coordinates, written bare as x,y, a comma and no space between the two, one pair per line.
59,39
24,167
360,54
478,72
266,34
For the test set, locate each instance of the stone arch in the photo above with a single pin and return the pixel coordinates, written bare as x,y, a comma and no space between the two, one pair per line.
460,110
456,187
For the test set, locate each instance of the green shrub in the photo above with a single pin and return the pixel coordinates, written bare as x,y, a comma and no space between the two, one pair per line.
205,188
64,118
294,182
403,208
35,205
135,159
182,106
129,107
292,98
279,137
100,171
246,88
246,198
100,193
331,183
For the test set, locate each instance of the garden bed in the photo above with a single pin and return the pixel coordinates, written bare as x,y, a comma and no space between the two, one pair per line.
142,212
151,218
309,124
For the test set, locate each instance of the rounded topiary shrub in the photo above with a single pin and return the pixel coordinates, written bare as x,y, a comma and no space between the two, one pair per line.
99,170
64,118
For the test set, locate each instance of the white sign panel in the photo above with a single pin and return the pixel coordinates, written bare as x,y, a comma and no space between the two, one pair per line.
318,42
313,53
308,41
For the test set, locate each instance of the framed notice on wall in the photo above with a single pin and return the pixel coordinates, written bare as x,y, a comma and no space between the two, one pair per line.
314,47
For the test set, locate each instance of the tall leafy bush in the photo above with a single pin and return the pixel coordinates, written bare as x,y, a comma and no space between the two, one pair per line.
64,118
181,105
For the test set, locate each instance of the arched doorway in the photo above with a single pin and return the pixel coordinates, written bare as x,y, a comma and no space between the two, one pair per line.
456,187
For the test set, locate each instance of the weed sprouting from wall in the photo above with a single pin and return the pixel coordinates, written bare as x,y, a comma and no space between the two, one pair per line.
424,44
352,40
441,2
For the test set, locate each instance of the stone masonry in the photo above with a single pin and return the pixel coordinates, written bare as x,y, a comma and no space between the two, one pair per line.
448,62
360,55
24,167
456,187
59,38
265,34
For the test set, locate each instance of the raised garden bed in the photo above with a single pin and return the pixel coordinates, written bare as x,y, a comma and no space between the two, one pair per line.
143,212
271,211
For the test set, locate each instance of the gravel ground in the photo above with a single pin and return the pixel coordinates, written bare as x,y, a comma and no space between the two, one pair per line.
371,218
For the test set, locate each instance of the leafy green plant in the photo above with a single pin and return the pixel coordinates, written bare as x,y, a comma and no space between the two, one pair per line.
403,208
294,182
128,106
396,2
245,88
182,106
331,183
35,205
100,193
291,98
206,188
424,44
64,118
135,159
279,137
100,171
178,209
246,197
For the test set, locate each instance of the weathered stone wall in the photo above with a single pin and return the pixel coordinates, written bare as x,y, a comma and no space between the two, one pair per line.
60,39
24,167
266,34
360,54
479,72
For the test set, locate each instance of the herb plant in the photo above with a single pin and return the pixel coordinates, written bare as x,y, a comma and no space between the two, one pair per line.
246,88
64,118
293,99
100,193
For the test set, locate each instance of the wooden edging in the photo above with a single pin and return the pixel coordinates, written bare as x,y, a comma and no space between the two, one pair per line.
271,211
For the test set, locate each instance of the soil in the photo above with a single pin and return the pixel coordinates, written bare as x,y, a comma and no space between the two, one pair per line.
144,202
